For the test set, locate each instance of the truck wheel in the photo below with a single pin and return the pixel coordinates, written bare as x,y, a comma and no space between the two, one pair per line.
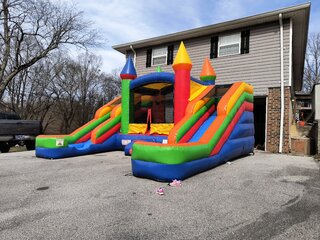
30,145
4,147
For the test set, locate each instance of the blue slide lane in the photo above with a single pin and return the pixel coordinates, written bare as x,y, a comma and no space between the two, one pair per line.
203,128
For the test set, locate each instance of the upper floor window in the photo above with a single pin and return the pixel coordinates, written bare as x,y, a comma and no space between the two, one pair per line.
225,45
229,45
159,56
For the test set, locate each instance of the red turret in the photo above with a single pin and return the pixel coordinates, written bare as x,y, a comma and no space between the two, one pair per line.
182,66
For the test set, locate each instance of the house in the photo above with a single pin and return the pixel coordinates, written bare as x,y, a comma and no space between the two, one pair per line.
266,50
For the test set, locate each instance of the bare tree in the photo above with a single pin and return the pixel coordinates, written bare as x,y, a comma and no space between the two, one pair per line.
28,93
62,92
65,89
31,29
312,63
110,85
89,78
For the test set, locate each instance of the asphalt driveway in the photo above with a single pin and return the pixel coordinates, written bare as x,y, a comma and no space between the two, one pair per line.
265,196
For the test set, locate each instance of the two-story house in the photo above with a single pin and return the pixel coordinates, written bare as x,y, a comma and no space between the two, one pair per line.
266,50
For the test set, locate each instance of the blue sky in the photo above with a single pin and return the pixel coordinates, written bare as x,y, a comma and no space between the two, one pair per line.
122,21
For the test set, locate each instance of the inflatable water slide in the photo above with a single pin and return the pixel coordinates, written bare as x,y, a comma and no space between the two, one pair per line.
173,125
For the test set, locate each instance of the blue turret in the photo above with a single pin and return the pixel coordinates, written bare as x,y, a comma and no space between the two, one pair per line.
128,71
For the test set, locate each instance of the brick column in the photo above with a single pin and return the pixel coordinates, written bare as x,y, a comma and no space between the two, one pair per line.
273,120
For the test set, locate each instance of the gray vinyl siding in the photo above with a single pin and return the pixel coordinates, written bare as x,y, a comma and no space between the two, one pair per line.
260,67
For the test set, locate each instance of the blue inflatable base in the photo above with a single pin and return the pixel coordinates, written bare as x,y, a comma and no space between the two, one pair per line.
77,149
239,143
115,142
168,172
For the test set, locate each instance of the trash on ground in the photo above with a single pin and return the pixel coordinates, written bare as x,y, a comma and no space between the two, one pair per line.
160,191
175,183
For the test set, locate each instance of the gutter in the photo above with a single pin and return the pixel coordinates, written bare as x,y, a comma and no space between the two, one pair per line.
134,56
281,85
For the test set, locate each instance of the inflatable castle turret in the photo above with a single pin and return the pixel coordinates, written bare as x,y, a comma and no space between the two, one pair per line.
182,67
127,74
208,74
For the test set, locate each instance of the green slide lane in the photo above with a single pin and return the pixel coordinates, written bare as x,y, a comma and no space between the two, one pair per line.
108,126
65,140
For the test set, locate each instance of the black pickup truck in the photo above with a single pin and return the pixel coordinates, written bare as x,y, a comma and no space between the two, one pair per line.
15,131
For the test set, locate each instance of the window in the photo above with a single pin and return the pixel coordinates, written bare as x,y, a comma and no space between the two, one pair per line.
225,45
159,56
229,45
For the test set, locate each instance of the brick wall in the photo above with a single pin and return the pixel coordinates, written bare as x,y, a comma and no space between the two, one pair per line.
273,120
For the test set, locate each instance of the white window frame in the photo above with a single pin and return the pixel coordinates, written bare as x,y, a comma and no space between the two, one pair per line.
223,45
162,55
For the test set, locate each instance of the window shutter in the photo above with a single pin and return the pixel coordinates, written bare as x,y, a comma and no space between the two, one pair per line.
170,54
245,36
214,47
149,56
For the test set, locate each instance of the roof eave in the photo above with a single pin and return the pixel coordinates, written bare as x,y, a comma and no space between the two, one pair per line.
299,57
211,29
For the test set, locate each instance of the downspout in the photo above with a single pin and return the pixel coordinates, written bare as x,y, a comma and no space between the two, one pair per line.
290,55
281,85
134,55
291,111
266,123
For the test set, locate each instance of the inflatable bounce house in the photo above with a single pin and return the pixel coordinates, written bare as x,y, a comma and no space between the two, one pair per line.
172,125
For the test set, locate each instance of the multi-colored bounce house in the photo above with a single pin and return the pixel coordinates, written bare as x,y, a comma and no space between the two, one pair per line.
172,125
